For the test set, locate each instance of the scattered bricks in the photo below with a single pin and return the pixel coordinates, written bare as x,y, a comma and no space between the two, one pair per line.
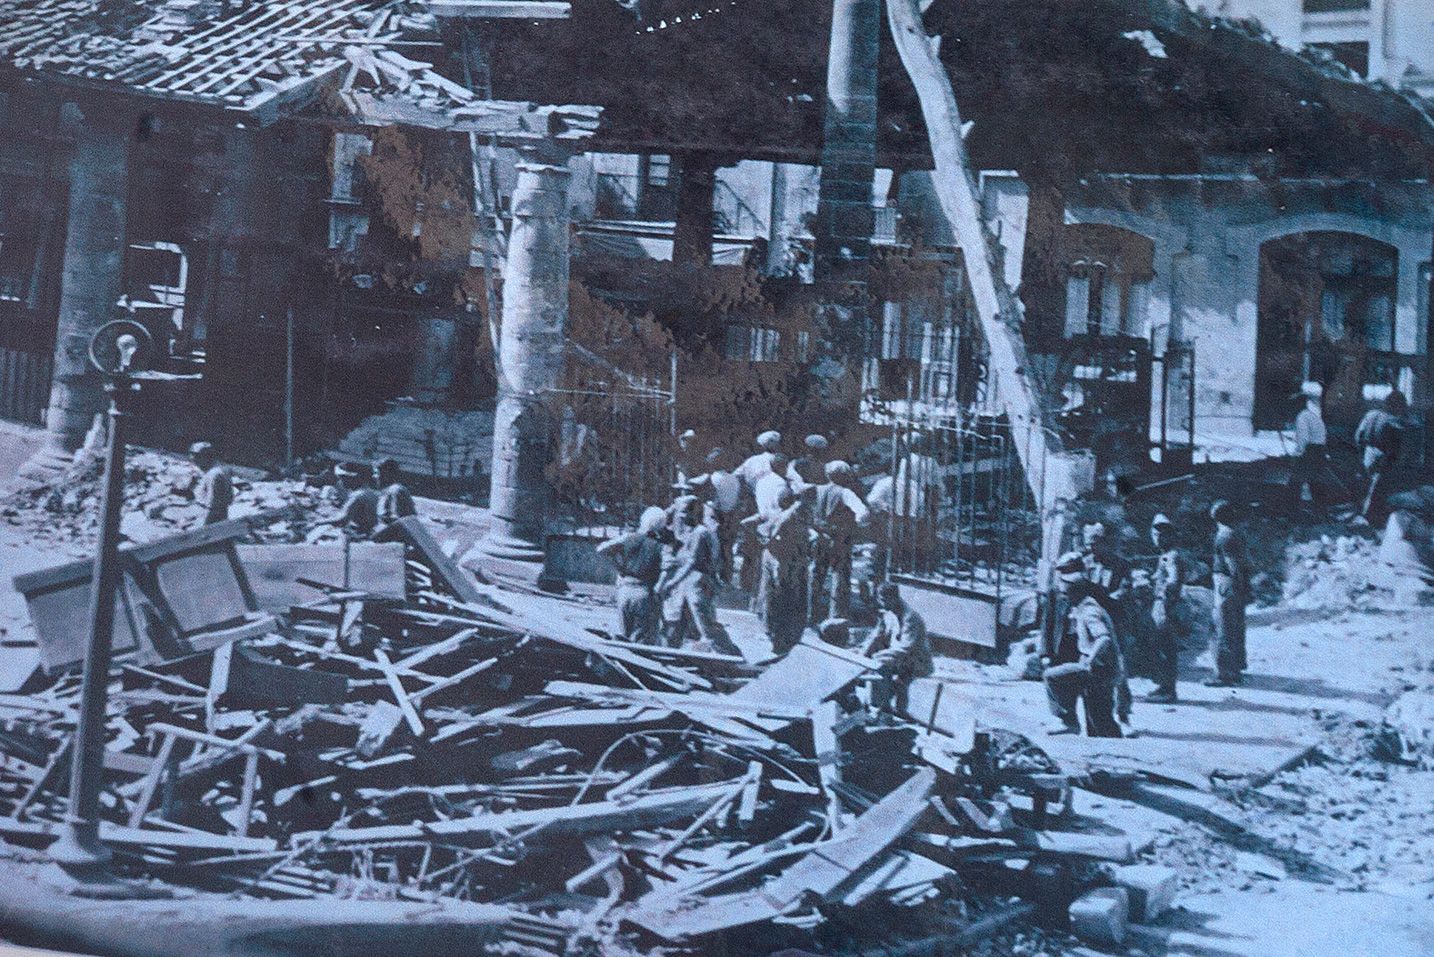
1152,890
1100,916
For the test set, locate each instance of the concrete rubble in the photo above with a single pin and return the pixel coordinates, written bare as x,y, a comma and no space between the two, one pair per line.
370,722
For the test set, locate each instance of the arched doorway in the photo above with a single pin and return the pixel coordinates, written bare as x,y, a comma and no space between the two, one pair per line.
1326,314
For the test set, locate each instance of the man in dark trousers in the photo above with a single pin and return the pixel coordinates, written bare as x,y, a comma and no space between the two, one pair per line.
900,647
638,559
1380,438
786,554
836,513
1093,667
688,588
1167,583
1230,572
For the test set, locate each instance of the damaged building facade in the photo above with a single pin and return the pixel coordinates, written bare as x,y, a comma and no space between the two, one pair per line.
252,241
197,167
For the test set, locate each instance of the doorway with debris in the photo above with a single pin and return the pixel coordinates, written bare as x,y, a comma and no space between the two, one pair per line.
1326,314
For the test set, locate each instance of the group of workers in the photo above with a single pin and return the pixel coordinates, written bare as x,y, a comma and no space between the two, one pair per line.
369,499
783,529
1100,621
1379,440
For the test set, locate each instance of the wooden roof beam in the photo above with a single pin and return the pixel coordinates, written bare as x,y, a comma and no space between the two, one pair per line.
500,9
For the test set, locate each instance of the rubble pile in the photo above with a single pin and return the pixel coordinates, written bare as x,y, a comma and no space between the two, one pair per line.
1341,571
396,731
156,484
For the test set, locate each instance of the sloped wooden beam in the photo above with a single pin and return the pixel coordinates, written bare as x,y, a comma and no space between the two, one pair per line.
1056,477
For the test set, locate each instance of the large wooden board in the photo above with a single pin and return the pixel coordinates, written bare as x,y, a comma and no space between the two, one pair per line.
274,571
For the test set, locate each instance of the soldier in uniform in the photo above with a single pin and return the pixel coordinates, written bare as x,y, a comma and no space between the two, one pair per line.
689,586
1093,667
1167,583
1230,571
638,559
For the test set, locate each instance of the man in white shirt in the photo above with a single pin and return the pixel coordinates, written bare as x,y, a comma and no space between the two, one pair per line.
1311,446
759,464
773,486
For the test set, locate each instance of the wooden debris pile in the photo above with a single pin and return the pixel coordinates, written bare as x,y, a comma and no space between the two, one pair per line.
401,732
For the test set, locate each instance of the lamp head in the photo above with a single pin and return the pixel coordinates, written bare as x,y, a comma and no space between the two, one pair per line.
121,348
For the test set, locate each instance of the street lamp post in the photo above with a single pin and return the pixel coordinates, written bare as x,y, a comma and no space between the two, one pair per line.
117,350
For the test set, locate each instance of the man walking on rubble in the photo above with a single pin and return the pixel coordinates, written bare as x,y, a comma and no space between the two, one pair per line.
1311,447
1088,667
785,535
900,647
214,488
638,559
359,515
1380,438
1230,572
688,588
836,513
1167,583
395,501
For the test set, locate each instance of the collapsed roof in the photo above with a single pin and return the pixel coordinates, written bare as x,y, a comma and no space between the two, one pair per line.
1055,90
265,59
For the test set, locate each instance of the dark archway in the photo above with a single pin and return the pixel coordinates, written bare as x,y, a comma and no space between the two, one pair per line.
1326,314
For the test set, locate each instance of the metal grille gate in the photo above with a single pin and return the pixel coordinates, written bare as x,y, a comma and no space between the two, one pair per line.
615,456
962,511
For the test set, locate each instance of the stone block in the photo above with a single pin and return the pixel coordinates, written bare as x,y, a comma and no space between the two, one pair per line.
1100,916
1152,890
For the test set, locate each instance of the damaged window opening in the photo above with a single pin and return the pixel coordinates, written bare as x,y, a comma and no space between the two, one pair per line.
156,281
1334,6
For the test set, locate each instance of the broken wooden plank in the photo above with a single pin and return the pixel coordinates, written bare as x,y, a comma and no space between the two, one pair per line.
693,700
151,781
825,873
647,810
254,678
443,684
500,9
810,673
410,714
45,831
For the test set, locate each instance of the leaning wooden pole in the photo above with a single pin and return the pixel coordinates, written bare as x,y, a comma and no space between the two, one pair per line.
1056,476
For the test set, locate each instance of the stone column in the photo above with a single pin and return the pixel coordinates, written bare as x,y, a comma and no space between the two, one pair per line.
90,281
844,214
535,313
